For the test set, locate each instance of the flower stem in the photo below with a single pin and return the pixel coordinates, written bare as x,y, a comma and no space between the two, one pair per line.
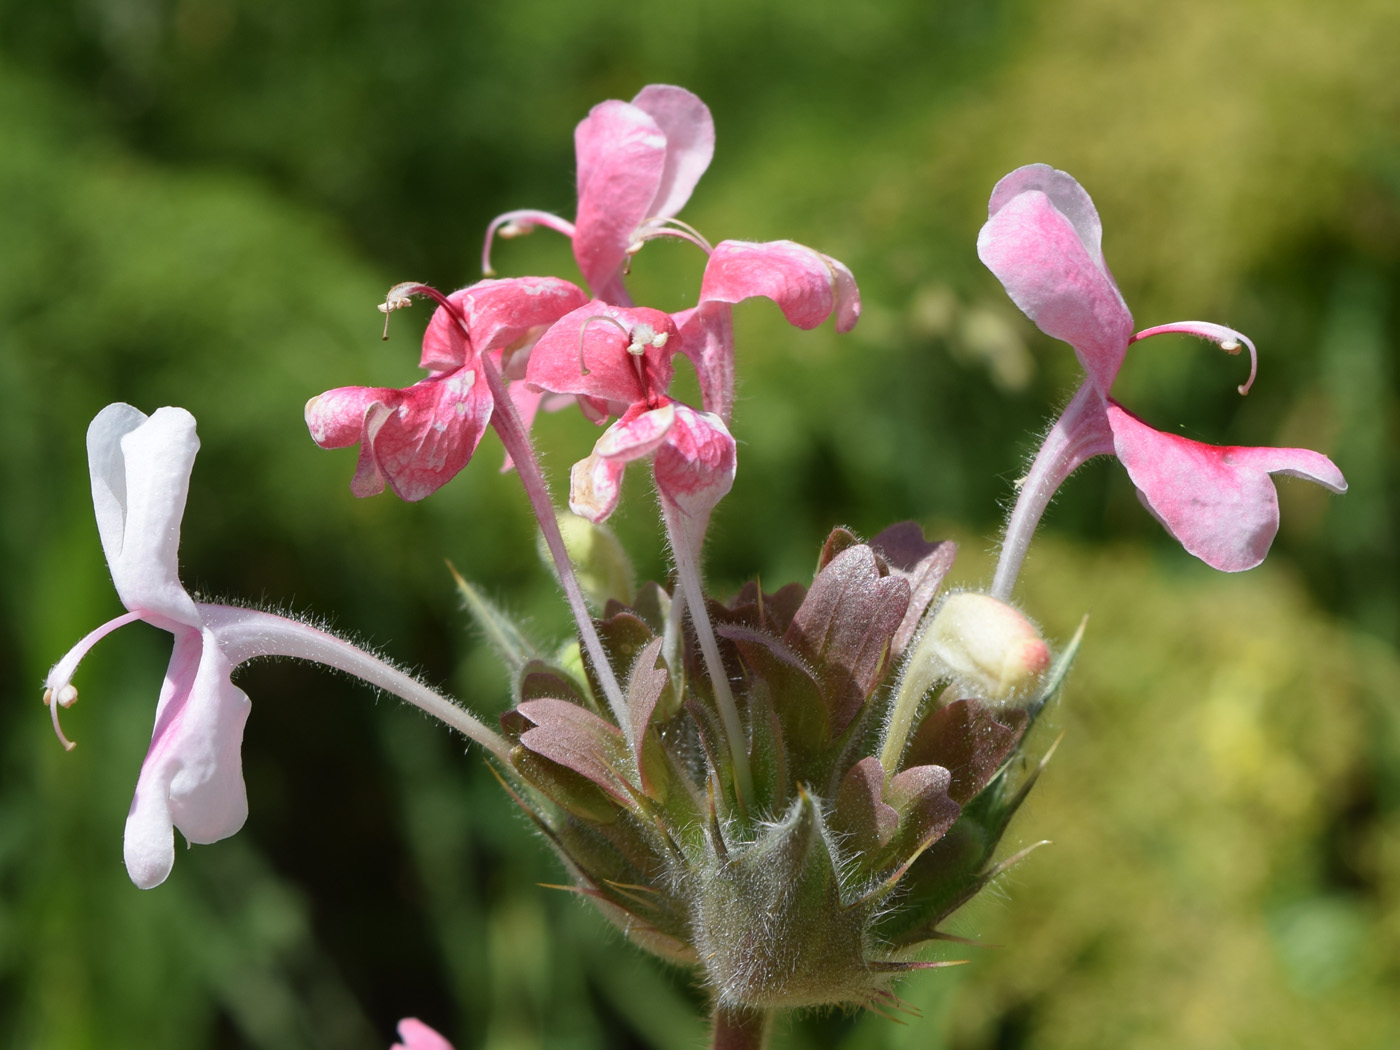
245,634
741,1028
1080,433
688,584
527,466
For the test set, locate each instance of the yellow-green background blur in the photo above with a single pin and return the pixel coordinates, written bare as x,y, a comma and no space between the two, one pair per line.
201,201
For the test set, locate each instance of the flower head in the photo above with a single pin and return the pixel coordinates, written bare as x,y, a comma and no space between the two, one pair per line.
1042,240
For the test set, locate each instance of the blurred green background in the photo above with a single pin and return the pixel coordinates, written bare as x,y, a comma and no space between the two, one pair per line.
201,202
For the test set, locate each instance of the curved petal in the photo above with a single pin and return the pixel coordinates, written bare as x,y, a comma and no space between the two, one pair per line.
1069,198
636,434
192,777
595,486
430,432
587,352
707,338
806,285
621,160
498,315
1218,501
416,439
690,143
1058,280
695,464
140,468
336,419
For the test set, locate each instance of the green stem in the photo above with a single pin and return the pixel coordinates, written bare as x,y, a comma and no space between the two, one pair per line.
741,1028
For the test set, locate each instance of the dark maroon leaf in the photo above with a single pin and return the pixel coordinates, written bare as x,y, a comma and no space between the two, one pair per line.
860,815
844,628
968,739
579,740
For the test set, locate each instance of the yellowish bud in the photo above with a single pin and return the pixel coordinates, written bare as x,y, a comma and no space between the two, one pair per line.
985,644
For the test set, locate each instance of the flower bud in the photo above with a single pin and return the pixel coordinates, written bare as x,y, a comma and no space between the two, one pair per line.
986,645
604,571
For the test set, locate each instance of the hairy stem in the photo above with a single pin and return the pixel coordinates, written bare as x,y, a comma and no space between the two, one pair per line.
741,1028
245,634
517,442
1079,434
688,584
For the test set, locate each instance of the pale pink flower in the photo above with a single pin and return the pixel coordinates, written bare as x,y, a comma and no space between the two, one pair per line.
418,438
1042,240
418,1036
192,776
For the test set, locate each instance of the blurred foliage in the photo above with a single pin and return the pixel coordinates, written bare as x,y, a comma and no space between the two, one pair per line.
202,200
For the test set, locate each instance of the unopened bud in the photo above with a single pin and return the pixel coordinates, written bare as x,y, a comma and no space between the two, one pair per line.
603,569
986,644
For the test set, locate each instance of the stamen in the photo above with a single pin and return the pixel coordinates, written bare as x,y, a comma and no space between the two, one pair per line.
1227,339
59,690
583,330
681,230
518,224
66,696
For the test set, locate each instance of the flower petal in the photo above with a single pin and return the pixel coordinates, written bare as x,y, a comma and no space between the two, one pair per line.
418,1036
695,464
417,439
1069,198
431,432
707,338
595,486
498,315
690,143
192,777
586,353
636,434
140,468
806,285
1050,264
1218,501
621,160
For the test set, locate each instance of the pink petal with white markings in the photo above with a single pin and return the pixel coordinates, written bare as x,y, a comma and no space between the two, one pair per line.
695,465
586,353
498,314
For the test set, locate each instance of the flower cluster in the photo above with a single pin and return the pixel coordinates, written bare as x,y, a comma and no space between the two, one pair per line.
788,792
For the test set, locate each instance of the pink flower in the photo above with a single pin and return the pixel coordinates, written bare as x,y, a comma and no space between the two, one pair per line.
418,1036
418,438
192,777
617,362
1042,240
638,162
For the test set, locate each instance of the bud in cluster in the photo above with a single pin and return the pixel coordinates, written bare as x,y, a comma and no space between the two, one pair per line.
986,646
601,564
